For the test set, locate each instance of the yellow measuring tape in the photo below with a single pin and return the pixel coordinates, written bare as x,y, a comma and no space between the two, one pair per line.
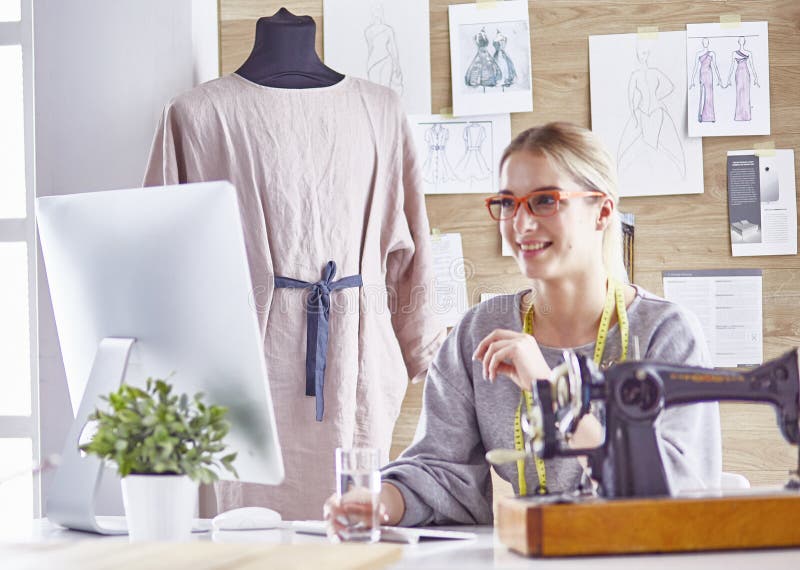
614,295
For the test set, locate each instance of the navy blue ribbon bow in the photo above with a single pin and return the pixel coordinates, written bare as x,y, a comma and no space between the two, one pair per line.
318,308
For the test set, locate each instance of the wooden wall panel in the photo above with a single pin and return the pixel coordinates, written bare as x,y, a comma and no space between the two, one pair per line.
672,232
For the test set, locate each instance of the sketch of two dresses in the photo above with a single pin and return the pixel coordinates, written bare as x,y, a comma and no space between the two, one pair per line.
471,167
741,64
487,70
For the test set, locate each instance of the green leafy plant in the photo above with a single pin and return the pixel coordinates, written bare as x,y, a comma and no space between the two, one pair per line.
152,431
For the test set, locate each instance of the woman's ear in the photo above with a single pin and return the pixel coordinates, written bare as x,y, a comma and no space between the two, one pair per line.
604,214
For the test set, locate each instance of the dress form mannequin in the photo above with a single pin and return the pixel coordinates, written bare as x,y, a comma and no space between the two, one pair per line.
284,56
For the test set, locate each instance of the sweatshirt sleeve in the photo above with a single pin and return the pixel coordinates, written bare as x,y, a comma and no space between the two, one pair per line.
689,435
409,269
443,476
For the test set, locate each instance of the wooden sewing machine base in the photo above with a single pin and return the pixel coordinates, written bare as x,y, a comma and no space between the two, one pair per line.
599,526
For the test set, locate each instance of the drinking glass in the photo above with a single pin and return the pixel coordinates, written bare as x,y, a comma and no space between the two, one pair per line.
358,488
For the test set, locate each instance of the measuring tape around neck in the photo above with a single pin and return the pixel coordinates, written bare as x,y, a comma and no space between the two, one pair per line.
614,295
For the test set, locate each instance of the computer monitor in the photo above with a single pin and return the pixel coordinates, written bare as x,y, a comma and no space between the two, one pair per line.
166,267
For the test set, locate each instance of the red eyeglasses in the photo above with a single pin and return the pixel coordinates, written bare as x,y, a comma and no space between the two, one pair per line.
541,203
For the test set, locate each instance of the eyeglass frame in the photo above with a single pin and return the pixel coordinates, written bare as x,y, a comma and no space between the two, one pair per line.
557,193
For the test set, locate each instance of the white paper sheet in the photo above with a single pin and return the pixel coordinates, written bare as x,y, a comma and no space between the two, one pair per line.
728,71
384,41
728,304
490,58
460,155
638,88
450,279
762,202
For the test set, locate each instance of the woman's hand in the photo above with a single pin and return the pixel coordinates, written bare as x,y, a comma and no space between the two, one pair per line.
514,354
343,514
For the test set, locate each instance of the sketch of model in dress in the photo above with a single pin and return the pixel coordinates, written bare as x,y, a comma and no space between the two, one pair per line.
483,71
650,127
742,63
473,166
437,170
383,59
706,60
507,69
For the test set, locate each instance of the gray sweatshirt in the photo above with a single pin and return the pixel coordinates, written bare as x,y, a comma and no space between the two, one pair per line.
443,475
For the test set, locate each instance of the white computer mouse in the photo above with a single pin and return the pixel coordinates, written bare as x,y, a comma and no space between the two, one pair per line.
247,518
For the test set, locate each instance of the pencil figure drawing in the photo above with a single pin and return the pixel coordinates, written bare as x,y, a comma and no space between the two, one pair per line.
650,130
383,59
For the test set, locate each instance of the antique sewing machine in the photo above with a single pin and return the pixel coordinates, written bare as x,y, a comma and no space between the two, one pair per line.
634,509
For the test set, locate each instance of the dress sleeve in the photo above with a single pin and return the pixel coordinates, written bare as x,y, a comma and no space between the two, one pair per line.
163,164
409,272
689,435
443,476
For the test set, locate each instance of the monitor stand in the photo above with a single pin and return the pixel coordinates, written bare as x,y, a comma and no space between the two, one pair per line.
71,502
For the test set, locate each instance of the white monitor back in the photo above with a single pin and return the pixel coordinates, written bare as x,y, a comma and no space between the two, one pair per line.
165,266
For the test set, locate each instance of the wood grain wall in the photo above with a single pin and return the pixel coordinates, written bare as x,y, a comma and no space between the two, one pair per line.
672,232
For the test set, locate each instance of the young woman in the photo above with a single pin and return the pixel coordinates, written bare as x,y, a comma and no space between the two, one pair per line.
558,210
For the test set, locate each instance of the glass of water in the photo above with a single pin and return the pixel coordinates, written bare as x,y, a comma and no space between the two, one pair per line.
358,488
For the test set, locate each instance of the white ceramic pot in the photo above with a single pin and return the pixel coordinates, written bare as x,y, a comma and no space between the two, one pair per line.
159,507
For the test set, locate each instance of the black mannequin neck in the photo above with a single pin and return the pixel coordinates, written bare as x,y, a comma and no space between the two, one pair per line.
284,55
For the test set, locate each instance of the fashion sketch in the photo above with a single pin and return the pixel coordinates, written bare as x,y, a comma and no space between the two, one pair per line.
706,61
507,69
473,166
383,61
650,125
436,169
742,64
484,70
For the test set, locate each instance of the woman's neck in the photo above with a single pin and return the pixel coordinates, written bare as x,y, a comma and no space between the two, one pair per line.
567,311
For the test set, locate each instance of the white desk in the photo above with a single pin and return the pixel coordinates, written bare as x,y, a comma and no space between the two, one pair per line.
485,552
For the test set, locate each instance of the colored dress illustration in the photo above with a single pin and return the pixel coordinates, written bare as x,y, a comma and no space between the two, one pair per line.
742,87
483,71
507,68
473,166
706,111
436,169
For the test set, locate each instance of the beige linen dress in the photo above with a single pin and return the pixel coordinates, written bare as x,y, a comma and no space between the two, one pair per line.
321,174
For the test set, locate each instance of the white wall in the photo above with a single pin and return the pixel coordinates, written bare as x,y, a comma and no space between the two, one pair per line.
103,71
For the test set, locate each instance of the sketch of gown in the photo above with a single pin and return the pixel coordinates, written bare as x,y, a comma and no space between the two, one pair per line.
650,134
473,166
507,68
706,111
742,87
483,71
436,169
383,60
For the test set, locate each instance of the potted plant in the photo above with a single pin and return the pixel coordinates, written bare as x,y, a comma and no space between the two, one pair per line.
163,445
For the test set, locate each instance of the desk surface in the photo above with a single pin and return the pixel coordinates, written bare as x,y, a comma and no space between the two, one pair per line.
484,552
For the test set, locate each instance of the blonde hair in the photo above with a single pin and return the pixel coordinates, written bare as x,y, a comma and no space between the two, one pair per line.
580,154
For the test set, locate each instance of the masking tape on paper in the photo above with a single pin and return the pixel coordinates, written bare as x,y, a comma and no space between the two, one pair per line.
727,21
764,149
647,32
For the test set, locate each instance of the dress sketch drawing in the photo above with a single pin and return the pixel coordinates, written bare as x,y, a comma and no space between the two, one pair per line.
473,166
484,70
650,127
383,60
436,169
706,61
507,69
742,64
